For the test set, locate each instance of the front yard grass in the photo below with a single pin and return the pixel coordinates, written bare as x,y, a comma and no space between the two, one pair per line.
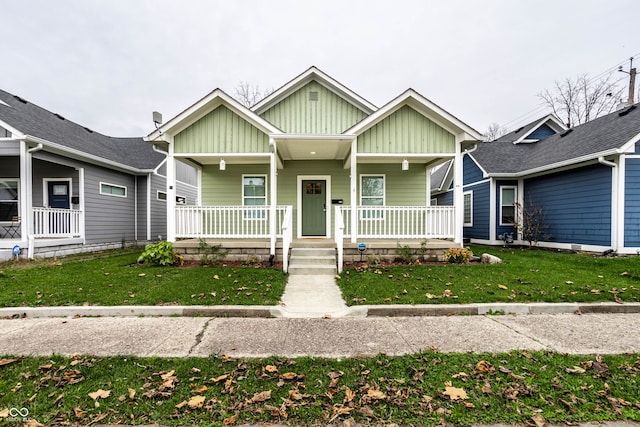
119,280
429,388
524,276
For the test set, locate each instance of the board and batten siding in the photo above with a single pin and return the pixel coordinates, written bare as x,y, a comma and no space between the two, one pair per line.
406,131
576,204
299,113
221,131
632,203
480,211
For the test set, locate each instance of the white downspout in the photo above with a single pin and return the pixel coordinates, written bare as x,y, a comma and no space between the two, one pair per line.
458,199
617,215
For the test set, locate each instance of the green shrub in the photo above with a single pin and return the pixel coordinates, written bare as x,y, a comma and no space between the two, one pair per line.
211,254
160,254
458,255
405,253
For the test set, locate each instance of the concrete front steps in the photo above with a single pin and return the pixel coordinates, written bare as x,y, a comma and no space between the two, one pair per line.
312,261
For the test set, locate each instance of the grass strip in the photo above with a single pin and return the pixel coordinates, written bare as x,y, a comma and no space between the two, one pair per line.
429,388
524,276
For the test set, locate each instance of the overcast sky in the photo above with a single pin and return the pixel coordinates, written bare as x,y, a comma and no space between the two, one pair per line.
107,64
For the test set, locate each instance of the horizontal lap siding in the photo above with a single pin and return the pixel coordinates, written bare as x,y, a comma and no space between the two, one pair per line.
480,229
43,170
141,200
224,188
445,199
108,219
406,131
576,204
221,131
632,203
500,229
330,114
470,171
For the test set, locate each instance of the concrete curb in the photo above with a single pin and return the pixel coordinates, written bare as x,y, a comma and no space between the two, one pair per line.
266,311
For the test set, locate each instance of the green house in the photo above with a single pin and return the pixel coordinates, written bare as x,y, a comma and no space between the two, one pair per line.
314,160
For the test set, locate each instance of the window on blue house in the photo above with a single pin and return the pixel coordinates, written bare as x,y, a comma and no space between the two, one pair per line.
507,205
372,193
254,193
468,208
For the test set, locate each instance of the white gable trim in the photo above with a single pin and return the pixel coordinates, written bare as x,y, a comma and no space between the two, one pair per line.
15,133
314,74
204,106
425,107
484,172
554,123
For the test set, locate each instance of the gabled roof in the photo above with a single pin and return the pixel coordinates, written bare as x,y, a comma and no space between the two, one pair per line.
425,107
208,103
313,74
27,119
442,177
521,134
603,136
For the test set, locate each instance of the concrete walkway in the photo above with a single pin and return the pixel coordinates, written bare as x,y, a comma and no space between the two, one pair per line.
333,338
314,296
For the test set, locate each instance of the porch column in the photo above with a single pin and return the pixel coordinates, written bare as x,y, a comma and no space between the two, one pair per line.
428,180
83,212
25,208
354,191
458,199
273,183
171,195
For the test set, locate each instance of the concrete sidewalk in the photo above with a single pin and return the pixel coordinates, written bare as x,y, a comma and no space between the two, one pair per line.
333,338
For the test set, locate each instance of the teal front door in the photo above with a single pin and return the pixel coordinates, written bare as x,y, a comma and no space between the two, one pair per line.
314,209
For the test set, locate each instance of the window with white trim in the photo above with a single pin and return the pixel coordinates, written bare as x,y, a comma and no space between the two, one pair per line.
9,199
468,208
372,193
254,193
507,205
113,190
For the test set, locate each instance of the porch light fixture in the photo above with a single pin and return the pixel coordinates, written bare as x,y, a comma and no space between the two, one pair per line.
405,164
223,165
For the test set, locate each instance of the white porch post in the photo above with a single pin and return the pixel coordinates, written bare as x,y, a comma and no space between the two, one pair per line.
458,199
354,191
148,203
81,206
428,180
274,197
25,197
171,195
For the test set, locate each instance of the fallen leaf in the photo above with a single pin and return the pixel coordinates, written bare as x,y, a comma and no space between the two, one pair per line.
202,389
503,287
32,423
6,361
79,413
569,282
261,397
181,404
229,421
216,277
100,394
539,420
4,413
348,395
469,405
220,378
484,366
271,369
575,370
196,402
376,394
455,393
289,376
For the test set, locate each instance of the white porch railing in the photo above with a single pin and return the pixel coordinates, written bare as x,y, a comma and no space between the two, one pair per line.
400,222
339,235
50,222
287,236
230,222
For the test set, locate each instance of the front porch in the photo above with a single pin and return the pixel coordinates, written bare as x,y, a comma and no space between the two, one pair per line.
258,232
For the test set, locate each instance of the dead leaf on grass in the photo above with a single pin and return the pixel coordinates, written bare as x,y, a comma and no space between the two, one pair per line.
376,394
100,394
196,402
261,397
455,393
539,420
7,361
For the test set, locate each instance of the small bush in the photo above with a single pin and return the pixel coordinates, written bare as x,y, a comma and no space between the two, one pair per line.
458,255
160,254
405,253
211,254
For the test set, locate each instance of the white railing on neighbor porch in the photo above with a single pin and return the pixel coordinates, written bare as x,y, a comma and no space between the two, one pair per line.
230,222
51,223
400,222
287,236
339,236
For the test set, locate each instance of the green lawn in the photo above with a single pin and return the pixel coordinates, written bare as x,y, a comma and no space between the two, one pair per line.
524,276
424,389
119,280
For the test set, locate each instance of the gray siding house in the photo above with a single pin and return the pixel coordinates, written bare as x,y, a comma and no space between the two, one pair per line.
65,188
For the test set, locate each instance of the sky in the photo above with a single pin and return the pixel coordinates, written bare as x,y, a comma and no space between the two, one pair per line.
107,64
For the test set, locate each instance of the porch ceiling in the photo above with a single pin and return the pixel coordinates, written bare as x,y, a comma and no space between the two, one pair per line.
310,147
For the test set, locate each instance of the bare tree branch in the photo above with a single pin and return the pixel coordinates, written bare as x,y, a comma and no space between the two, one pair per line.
494,131
579,100
250,94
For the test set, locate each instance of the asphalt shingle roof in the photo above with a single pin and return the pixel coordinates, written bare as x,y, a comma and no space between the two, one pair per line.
30,119
603,134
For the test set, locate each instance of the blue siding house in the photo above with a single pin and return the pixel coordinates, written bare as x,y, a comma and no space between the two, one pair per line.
585,180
